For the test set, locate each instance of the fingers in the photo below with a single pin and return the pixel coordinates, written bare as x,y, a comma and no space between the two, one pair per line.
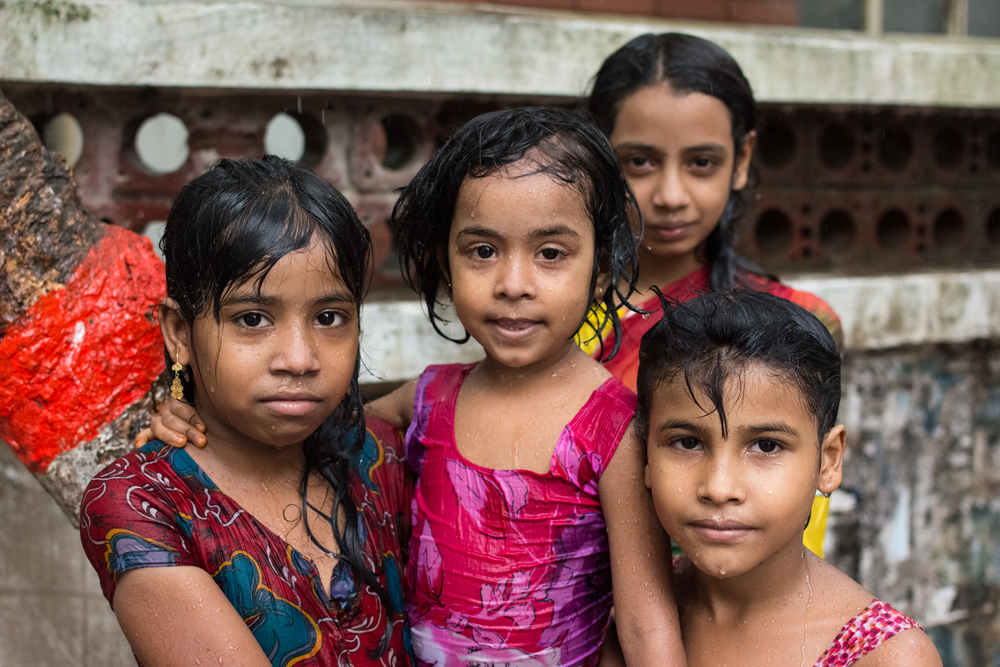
144,436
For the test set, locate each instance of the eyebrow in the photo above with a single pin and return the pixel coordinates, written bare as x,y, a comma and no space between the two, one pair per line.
543,233
255,299
698,148
743,432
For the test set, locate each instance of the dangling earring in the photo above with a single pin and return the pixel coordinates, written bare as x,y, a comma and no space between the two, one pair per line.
176,388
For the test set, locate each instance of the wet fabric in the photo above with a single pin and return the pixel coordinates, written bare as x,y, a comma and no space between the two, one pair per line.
864,633
625,364
509,566
155,507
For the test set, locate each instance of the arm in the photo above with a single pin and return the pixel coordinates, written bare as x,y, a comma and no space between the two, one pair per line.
179,616
641,568
174,423
395,407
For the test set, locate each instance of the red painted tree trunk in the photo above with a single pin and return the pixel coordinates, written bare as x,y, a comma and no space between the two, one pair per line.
80,348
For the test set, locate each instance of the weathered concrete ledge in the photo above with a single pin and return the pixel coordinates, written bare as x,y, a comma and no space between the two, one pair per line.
877,313
446,48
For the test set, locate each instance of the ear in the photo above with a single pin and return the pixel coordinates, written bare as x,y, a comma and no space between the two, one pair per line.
831,464
741,169
176,332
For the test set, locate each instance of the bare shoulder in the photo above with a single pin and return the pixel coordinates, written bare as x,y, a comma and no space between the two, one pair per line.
910,648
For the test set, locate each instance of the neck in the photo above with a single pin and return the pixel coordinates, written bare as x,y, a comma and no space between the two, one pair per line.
771,585
659,272
564,365
233,456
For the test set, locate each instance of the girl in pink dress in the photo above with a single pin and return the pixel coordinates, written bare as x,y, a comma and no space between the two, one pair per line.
529,501
738,397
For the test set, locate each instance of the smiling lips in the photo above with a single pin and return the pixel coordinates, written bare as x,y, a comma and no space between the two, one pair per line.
721,531
514,327
293,404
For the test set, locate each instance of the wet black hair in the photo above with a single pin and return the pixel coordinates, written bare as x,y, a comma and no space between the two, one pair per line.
232,225
713,337
688,64
562,144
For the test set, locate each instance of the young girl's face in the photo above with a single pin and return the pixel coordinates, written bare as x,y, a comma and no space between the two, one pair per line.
735,501
677,151
280,360
520,255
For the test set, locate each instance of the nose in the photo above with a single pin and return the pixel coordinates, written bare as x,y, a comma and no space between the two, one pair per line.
515,278
721,482
670,191
295,351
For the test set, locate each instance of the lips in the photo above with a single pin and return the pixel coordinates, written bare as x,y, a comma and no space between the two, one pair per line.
668,230
726,530
511,327
293,404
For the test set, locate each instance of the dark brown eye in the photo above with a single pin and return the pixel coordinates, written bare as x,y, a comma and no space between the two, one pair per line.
550,253
484,252
252,319
329,318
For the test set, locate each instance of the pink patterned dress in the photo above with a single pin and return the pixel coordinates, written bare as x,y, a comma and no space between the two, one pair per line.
509,566
864,633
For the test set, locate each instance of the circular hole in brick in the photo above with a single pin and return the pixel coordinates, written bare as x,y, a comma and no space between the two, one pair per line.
402,139
773,233
837,231
895,147
993,228
776,144
893,230
948,147
161,143
949,229
62,134
285,137
836,146
296,136
992,147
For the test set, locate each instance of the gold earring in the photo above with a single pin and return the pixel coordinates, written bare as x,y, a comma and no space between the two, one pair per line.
176,388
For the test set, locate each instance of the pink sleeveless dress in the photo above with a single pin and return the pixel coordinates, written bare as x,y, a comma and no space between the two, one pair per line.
509,566
864,633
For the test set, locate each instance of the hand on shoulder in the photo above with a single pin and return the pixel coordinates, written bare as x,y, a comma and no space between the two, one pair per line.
174,423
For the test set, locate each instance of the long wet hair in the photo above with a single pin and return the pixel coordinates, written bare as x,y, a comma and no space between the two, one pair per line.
688,64
716,336
565,146
232,225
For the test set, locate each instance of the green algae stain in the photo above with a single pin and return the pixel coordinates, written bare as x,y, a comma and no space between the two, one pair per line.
52,11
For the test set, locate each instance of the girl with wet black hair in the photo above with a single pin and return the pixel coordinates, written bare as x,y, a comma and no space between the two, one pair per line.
529,501
281,543
738,398
681,117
